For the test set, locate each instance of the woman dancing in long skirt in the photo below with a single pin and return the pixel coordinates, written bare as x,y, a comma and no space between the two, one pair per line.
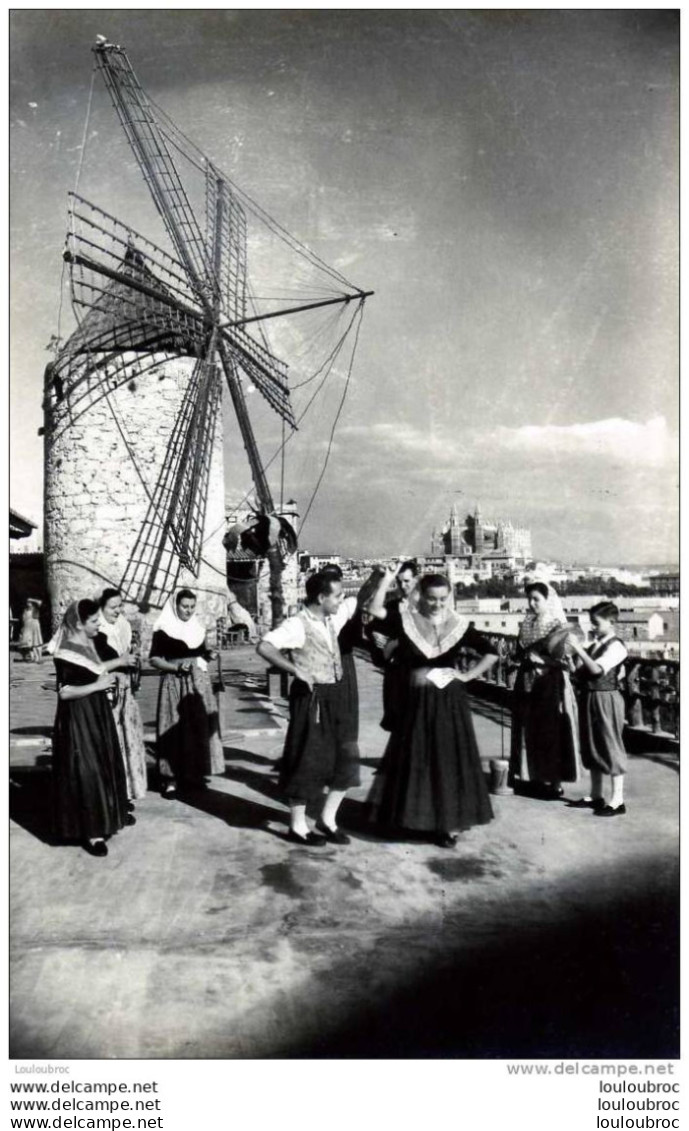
113,644
430,778
189,747
545,729
90,789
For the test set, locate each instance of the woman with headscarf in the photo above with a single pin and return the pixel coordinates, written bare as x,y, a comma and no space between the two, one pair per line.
90,788
30,639
189,747
113,644
431,778
545,743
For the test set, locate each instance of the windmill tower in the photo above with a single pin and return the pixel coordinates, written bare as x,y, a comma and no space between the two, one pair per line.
134,488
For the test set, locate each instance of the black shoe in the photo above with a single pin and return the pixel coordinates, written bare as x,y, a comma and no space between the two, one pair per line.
130,819
550,793
130,806
95,848
335,836
446,840
587,803
608,811
169,792
312,840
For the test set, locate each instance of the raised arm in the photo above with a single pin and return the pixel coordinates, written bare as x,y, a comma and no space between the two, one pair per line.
591,666
375,605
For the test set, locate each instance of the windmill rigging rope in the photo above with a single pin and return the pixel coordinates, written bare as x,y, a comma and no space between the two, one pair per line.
273,224
360,311
84,139
332,357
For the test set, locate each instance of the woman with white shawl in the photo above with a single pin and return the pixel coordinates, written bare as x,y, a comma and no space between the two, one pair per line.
90,790
545,732
113,644
431,779
189,747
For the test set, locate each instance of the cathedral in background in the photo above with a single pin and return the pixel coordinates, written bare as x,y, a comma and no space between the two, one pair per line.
476,542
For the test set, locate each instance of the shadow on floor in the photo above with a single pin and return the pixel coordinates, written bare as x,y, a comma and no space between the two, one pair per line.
31,801
233,754
238,812
31,798
39,731
604,984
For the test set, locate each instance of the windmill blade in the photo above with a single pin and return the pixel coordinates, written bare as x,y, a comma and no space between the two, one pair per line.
153,154
266,372
226,244
172,533
97,234
129,323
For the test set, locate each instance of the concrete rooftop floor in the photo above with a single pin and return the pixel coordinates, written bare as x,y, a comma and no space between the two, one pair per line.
204,934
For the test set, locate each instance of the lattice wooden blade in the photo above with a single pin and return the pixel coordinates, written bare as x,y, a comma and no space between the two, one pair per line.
265,371
135,308
172,533
226,244
155,158
97,233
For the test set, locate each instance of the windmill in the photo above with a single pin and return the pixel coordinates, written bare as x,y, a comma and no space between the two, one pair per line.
139,306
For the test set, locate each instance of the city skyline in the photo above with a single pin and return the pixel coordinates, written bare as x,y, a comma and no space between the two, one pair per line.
506,183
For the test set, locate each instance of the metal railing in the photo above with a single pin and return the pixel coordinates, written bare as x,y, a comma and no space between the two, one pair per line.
650,687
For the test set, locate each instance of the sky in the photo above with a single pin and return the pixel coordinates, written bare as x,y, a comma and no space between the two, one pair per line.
504,180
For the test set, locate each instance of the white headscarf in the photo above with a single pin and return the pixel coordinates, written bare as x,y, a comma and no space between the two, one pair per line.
191,632
536,626
118,635
73,648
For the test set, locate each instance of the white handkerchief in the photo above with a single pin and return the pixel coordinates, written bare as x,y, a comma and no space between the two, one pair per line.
440,677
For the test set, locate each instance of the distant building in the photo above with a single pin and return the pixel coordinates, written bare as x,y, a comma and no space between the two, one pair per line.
640,625
478,544
313,562
664,583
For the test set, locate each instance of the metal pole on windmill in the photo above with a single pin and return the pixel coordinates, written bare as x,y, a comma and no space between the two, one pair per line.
265,498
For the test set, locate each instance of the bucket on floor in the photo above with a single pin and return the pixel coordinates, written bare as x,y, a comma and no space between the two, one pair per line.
499,769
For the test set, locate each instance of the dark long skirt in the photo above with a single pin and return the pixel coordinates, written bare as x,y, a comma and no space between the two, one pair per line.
601,725
350,696
431,778
545,729
321,750
90,788
189,747
394,685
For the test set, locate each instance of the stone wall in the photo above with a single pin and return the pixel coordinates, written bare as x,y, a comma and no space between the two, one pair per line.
96,499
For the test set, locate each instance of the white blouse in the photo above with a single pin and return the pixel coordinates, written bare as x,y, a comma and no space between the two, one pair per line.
291,635
613,655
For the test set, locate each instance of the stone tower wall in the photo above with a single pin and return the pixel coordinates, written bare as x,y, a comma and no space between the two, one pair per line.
96,502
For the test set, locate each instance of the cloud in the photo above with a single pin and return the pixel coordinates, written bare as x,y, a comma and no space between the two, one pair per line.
403,439
622,440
